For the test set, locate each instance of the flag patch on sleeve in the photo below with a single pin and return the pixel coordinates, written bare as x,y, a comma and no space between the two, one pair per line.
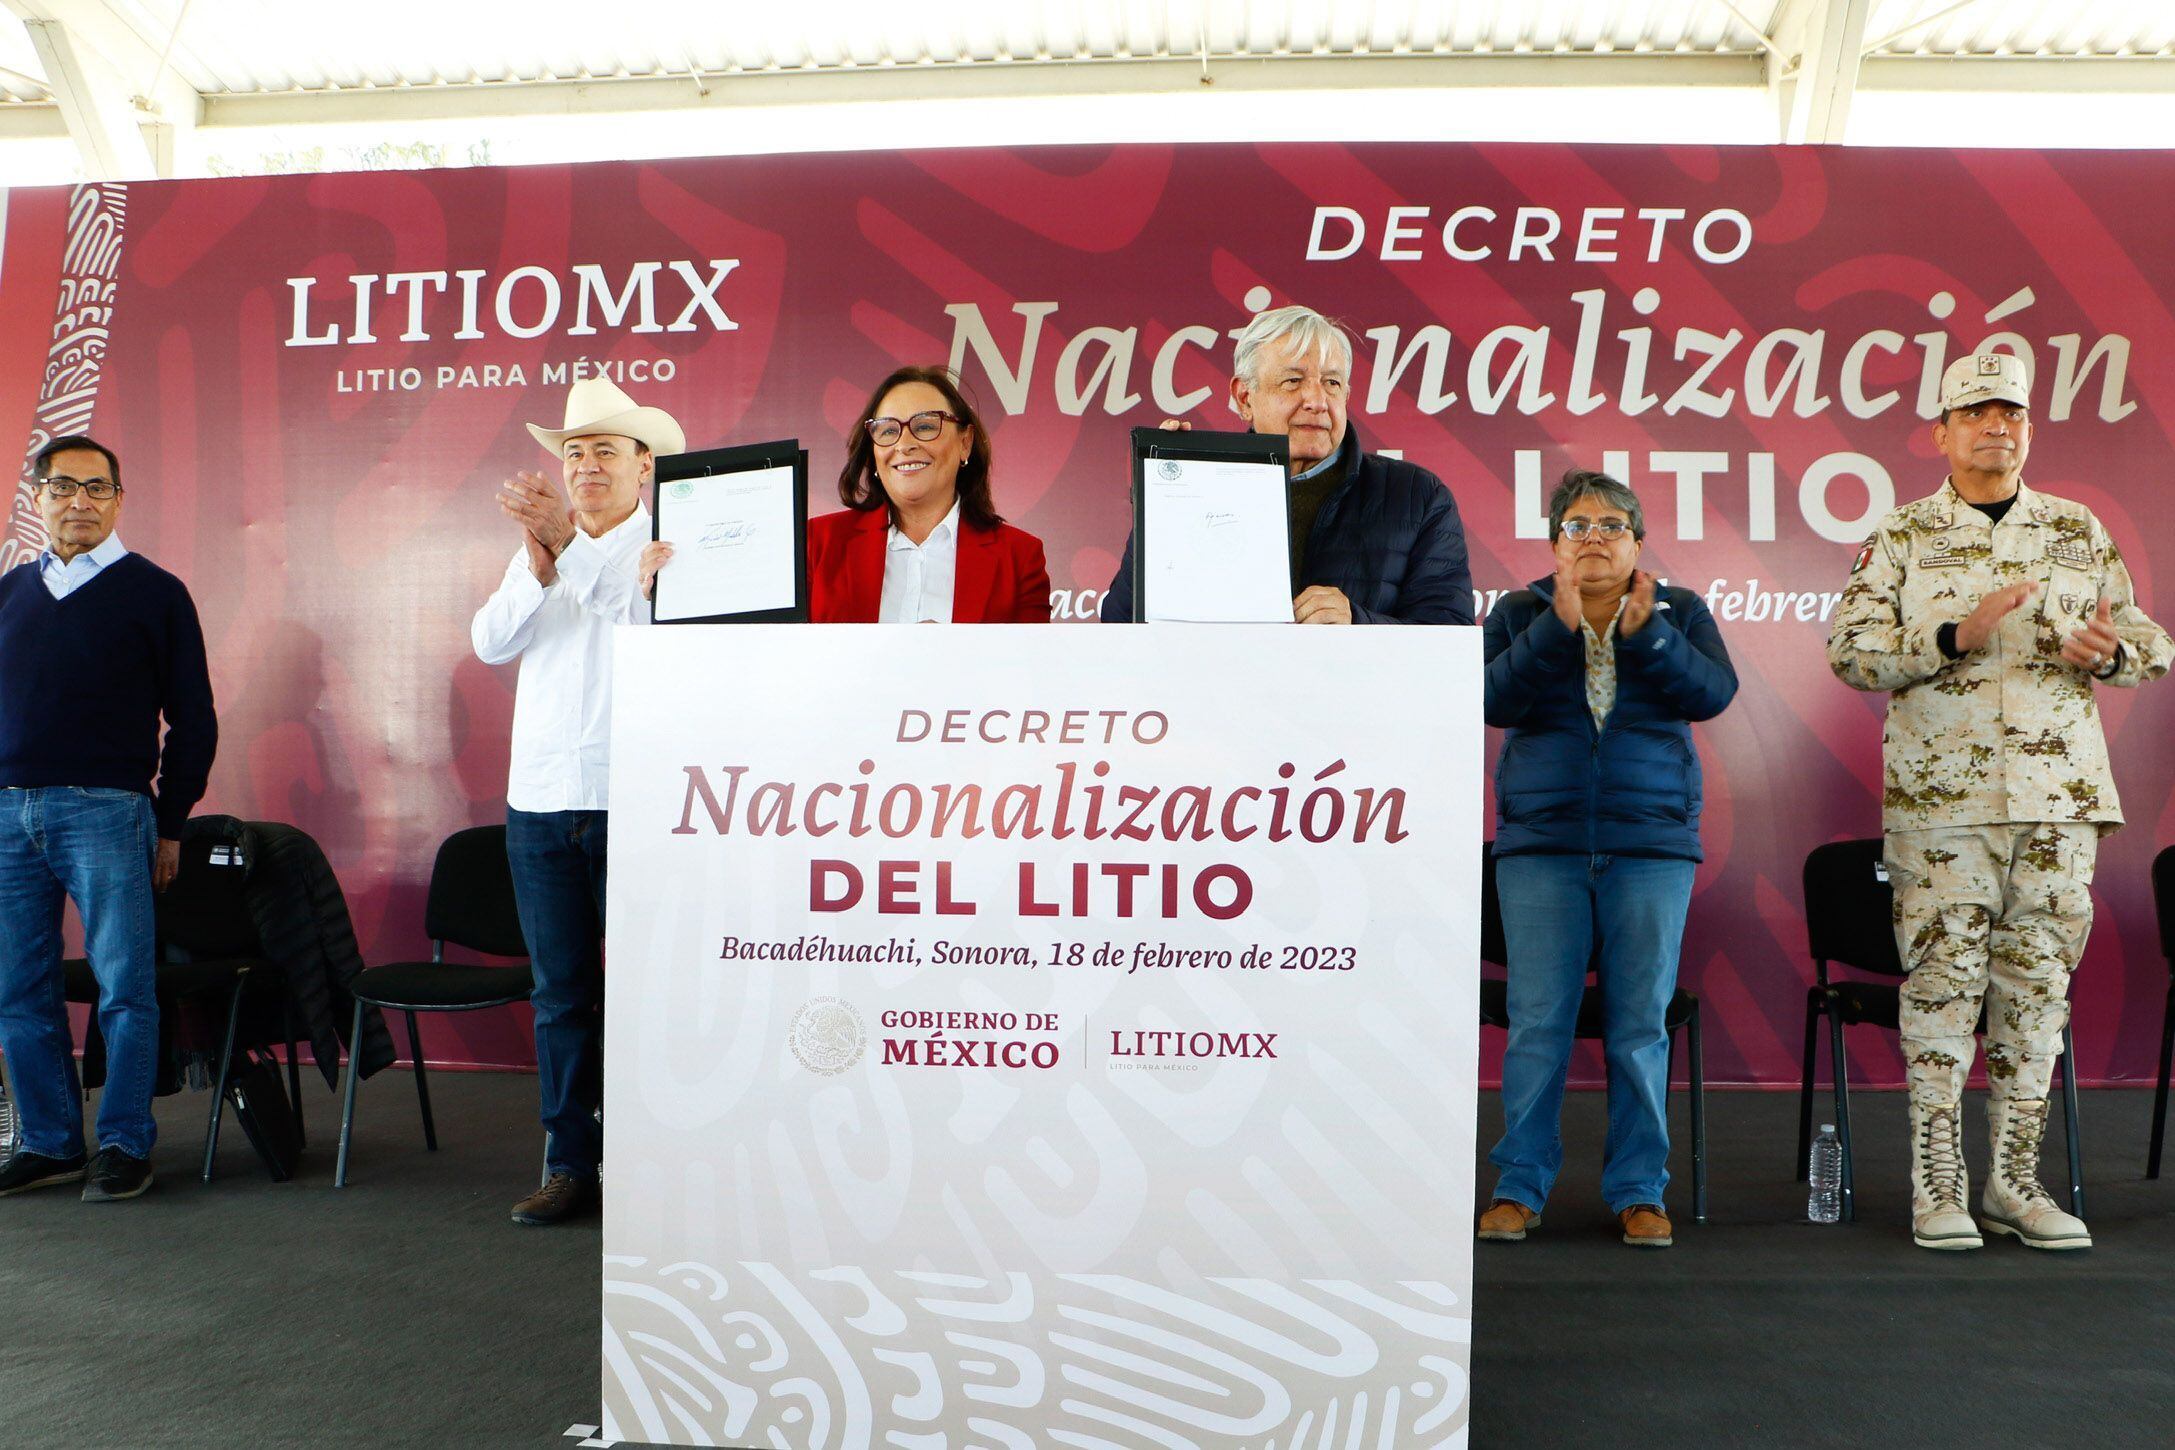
1865,557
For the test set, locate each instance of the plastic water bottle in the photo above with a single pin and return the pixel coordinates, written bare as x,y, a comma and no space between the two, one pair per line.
1824,1204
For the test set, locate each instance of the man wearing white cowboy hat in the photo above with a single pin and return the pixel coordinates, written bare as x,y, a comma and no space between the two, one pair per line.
571,580
1987,610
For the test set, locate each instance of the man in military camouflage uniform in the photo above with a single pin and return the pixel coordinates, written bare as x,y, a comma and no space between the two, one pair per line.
1988,611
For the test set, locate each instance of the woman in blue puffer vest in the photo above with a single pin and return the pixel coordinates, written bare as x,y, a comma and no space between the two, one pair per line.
1594,676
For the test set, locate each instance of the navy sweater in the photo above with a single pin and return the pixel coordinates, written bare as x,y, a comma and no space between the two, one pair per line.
84,680
1389,537
1631,788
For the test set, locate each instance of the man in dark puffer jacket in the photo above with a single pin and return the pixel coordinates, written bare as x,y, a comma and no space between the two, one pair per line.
1374,540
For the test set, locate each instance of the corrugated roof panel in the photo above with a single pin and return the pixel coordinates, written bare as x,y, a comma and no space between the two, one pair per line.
243,46
2053,28
25,74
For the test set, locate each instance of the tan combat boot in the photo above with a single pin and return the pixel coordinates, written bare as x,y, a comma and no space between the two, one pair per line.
2014,1203
1940,1192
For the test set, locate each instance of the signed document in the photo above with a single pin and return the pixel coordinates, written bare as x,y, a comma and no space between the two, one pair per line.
735,549
1217,541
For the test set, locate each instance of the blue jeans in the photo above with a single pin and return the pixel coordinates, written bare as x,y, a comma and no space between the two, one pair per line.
95,845
1625,915
558,867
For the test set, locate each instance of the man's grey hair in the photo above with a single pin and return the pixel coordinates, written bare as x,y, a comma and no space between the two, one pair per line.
1305,329
1584,483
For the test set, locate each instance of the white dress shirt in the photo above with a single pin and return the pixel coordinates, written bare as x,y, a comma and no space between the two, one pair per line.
919,578
562,746
63,579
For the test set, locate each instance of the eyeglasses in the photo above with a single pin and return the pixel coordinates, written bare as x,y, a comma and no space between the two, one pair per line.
883,432
63,487
1610,529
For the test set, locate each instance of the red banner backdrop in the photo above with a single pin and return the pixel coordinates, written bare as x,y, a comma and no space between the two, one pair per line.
315,384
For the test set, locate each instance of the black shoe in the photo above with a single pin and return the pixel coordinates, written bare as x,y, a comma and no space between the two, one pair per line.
562,1197
115,1176
26,1170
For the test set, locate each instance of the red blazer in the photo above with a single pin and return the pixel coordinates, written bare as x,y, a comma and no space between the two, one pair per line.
1001,578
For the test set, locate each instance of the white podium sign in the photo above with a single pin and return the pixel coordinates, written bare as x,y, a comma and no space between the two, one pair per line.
1025,1036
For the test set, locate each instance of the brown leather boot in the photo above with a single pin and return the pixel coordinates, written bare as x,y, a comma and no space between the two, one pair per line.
1506,1221
1646,1226
562,1197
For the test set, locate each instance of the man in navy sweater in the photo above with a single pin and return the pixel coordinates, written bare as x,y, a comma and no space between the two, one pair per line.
96,644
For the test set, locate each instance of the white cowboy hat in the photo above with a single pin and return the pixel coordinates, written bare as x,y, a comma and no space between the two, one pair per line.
599,405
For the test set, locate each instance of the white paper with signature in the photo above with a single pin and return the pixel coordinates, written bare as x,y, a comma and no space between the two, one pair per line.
1218,545
732,540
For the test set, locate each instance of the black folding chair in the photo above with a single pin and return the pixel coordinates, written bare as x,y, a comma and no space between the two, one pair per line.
471,905
1850,922
1682,1015
208,951
2163,907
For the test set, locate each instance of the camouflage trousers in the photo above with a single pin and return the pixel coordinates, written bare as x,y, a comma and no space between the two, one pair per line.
1992,914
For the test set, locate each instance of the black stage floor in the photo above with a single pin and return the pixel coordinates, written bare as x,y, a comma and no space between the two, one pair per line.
407,1310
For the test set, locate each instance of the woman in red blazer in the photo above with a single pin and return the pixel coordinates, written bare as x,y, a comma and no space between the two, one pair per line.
919,539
